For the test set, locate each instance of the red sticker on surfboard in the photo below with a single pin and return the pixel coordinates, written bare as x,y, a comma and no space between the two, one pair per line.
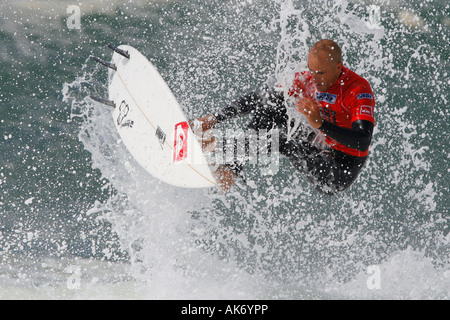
180,147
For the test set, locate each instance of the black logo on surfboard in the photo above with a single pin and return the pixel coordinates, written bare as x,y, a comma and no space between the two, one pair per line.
123,113
161,137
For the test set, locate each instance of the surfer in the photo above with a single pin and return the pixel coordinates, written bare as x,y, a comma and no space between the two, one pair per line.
339,107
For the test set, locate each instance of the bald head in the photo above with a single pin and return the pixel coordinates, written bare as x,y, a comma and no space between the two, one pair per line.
325,64
327,50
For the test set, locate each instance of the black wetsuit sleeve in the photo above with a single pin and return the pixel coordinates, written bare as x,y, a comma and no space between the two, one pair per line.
267,94
359,137
240,107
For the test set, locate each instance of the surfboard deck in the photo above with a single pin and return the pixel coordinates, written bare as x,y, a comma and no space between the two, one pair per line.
152,124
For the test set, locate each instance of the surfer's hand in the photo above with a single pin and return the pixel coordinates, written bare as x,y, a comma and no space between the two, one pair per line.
311,109
202,128
205,123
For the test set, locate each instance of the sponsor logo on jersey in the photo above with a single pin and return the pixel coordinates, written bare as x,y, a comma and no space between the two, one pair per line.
326,97
364,96
367,110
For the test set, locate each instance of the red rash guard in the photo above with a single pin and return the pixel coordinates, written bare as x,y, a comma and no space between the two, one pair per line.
350,99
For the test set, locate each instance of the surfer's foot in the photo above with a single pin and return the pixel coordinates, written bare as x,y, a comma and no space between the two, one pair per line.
225,177
209,145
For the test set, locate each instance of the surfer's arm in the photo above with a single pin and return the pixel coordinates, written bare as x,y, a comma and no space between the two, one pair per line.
237,108
268,94
358,137
240,107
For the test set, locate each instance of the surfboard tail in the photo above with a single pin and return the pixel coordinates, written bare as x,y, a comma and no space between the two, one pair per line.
105,63
123,53
103,101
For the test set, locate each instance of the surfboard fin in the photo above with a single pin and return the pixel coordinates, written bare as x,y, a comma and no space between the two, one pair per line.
104,101
119,51
106,64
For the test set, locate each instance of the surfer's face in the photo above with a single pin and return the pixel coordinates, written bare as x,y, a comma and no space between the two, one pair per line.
324,72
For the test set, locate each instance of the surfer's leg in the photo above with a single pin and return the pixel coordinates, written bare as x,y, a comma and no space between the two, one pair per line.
330,171
265,119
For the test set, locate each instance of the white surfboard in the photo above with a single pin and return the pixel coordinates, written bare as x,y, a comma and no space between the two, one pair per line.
153,126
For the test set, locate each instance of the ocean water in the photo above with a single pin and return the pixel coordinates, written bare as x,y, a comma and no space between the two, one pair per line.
79,219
